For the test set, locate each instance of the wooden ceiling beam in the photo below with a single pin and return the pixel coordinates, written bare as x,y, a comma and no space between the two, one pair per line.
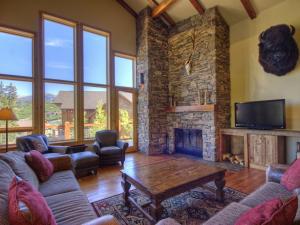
127,8
162,7
165,16
198,6
249,8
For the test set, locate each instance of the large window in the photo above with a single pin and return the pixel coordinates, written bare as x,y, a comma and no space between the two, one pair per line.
59,50
59,111
126,98
67,86
95,72
124,71
16,81
59,65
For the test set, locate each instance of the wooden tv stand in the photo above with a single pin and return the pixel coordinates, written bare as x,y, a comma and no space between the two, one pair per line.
261,147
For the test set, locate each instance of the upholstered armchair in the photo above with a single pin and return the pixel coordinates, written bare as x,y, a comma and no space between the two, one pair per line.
109,148
38,142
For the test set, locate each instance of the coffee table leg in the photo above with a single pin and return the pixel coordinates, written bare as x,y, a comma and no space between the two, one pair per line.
220,183
156,209
126,187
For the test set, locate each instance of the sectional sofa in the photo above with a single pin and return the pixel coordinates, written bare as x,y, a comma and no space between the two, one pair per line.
68,203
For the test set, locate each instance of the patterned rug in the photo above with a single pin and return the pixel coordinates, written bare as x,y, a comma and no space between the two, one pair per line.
189,208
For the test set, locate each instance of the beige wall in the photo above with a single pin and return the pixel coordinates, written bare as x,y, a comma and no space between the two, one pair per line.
249,81
105,14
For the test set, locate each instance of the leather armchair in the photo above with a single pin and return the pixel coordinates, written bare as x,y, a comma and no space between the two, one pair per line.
23,144
109,148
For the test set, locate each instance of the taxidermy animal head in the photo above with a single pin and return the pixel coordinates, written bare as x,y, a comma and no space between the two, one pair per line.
278,51
188,63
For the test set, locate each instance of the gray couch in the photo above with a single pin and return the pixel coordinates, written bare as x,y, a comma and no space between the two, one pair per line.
271,189
68,203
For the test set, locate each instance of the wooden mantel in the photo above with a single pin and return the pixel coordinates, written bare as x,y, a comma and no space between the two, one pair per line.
192,108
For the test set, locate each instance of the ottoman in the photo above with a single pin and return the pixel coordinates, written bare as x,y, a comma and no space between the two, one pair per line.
85,162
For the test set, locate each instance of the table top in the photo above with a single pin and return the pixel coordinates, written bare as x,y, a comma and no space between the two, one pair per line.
171,174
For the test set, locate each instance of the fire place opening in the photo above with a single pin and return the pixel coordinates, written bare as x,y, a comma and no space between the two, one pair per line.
189,141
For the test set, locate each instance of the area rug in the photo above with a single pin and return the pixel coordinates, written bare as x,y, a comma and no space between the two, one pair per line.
189,208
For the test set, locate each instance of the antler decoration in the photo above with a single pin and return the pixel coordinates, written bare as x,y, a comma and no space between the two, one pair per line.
188,63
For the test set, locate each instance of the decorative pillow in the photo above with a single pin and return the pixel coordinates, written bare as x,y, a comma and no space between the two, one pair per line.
291,178
37,143
22,195
42,167
272,212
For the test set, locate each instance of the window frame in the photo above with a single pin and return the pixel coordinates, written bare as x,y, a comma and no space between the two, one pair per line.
130,57
15,77
108,85
74,83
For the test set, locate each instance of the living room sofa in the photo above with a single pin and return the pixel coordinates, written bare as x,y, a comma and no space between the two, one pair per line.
270,190
68,203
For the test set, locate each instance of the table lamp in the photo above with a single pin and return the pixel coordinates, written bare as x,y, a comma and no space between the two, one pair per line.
7,114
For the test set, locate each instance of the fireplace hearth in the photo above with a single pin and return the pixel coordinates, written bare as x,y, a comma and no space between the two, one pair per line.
189,141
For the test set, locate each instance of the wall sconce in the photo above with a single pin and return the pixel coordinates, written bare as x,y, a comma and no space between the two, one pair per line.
142,80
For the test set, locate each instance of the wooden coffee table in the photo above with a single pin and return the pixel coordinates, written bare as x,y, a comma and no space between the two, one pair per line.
165,179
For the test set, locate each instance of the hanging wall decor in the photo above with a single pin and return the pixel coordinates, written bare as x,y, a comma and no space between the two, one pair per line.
278,51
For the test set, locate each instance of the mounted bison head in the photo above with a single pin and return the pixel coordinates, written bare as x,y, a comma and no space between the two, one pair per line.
278,51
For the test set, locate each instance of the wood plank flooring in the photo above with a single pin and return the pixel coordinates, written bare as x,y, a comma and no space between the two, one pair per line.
108,180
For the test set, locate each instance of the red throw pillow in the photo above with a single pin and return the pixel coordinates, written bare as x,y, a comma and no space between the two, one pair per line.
291,177
22,193
272,212
40,165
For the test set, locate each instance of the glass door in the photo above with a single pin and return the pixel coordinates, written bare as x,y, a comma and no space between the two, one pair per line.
126,118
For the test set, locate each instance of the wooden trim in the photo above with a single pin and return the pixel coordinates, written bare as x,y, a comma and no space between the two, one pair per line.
16,31
165,16
16,129
249,8
192,108
162,7
198,6
58,19
127,8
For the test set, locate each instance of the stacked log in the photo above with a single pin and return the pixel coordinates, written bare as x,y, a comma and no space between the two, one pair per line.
237,159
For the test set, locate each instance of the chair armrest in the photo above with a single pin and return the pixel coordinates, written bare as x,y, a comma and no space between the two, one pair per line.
96,147
104,220
60,162
58,149
274,172
122,145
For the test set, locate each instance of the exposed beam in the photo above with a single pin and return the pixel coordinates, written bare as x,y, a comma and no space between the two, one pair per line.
162,7
165,16
127,7
198,6
249,8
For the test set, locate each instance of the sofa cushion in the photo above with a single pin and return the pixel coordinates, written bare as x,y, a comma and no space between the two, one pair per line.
37,210
6,176
261,213
59,182
268,191
16,160
291,177
228,215
42,167
110,150
71,208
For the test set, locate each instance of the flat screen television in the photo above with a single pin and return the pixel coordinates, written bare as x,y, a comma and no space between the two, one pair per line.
261,114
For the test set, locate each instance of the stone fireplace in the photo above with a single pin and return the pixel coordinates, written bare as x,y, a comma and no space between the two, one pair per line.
161,56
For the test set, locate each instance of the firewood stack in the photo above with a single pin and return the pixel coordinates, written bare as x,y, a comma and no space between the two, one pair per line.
234,159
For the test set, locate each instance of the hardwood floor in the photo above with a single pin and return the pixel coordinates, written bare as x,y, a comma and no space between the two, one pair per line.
108,180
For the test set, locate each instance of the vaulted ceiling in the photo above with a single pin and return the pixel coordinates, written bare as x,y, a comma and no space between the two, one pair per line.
232,10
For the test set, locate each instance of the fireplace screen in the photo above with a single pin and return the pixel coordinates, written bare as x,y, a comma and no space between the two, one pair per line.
189,141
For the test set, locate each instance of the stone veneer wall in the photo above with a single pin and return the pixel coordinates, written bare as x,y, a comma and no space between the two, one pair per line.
152,60
210,70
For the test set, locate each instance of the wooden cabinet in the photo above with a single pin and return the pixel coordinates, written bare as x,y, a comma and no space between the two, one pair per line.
265,150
